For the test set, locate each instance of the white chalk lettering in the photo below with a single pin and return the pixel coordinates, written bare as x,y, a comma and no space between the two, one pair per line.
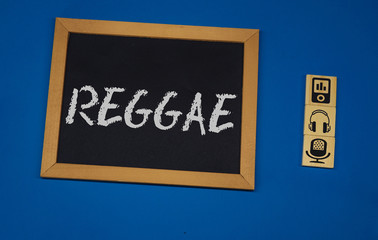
106,105
194,114
159,111
130,108
73,103
219,112
190,117
72,108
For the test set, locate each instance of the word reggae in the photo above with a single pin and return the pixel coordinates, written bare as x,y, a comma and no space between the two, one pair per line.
194,114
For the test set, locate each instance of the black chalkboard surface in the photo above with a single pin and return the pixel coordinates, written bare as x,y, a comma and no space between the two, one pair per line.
158,66
141,105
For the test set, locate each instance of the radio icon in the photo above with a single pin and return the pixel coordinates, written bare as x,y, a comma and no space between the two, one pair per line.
321,88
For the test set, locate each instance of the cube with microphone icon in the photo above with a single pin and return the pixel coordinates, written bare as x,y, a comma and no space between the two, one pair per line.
318,151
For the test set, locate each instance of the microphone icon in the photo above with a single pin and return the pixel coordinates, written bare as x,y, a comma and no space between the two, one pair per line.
318,150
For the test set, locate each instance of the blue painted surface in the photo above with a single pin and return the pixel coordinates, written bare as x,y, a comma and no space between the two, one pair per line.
290,202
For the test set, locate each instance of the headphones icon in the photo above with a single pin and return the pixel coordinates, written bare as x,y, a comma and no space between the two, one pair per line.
312,125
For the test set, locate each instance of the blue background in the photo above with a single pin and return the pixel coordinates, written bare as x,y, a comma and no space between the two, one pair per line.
322,37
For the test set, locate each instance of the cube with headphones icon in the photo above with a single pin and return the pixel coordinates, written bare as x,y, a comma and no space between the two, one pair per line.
312,124
320,120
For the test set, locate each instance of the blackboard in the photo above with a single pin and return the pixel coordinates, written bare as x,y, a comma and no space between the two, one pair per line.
152,103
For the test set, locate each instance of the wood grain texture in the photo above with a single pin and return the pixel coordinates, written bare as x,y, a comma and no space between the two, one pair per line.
58,63
150,176
245,180
157,30
249,106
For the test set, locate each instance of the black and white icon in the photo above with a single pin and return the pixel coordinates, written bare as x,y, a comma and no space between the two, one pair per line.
318,150
319,117
321,89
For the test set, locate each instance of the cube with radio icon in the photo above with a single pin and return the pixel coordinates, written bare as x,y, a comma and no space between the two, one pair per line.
321,90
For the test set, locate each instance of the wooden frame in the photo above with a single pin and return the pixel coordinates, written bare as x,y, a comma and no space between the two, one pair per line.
63,27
